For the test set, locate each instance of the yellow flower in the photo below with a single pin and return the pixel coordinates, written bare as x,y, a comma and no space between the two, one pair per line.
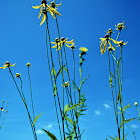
53,5
58,44
66,84
109,31
104,42
7,64
17,75
120,43
120,26
44,8
83,49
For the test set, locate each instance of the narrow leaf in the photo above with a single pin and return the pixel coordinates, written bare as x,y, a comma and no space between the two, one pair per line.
74,106
36,119
52,136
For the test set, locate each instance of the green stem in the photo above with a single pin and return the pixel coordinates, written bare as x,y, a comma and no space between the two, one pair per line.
31,94
30,119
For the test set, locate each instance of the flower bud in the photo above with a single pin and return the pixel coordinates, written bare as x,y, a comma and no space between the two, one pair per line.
17,75
135,103
110,30
109,48
28,64
56,40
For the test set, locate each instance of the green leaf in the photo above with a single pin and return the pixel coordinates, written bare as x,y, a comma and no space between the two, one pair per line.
73,106
36,119
76,86
85,79
53,72
60,70
111,74
127,121
117,138
119,61
52,136
111,138
70,120
127,107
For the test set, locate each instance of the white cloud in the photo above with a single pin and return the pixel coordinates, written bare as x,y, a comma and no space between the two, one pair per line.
107,106
97,112
134,126
49,126
39,131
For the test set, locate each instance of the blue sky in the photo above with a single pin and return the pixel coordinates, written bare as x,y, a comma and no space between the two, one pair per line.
22,40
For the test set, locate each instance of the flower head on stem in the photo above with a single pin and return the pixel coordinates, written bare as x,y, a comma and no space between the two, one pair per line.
66,84
120,26
44,8
104,42
119,43
17,75
136,104
6,65
28,64
58,44
53,5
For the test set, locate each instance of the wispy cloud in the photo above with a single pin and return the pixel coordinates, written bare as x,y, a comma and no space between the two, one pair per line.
134,126
39,131
97,112
107,106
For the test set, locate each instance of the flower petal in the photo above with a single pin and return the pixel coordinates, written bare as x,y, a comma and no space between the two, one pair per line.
70,42
111,46
57,5
55,46
53,10
51,13
101,45
43,19
53,42
36,7
58,48
67,45
103,50
12,65
40,12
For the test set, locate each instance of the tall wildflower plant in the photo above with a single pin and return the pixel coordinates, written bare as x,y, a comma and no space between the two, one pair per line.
68,107
32,119
3,113
115,59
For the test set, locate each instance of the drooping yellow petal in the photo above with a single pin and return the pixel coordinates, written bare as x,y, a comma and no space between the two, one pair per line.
59,48
57,5
102,39
104,48
53,10
12,65
70,42
53,42
51,13
101,45
67,45
37,7
116,42
43,19
111,46
40,12
55,46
